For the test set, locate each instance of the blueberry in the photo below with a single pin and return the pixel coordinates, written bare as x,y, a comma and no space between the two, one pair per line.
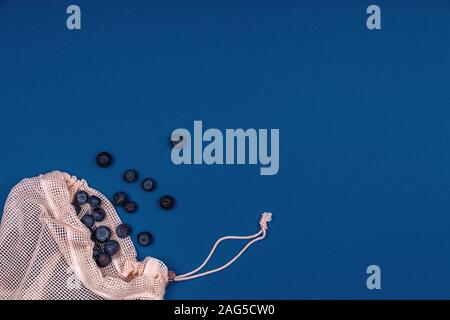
130,207
119,198
94,202
144,238
112,247
176,141
102,234
98,214
103,260
148,184
130,175
81,197
96,250
166,202
104,159
123,230
88,221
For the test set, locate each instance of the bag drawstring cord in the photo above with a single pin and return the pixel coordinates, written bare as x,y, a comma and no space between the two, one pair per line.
265,218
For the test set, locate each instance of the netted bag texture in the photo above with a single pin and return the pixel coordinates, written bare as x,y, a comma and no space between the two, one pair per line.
46,252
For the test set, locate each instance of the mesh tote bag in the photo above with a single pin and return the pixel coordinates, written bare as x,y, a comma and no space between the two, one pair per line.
46,252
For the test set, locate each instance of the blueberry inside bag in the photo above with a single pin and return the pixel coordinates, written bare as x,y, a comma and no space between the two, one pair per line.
46,252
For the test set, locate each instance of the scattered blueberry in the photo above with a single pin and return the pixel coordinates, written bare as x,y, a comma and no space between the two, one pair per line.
112,247
103,260
102,234
94,202
81,197
123,230
104,159
98,214
96,250
166,202
145,238
176,140
130,175
148,184
88,221
130,207
120,198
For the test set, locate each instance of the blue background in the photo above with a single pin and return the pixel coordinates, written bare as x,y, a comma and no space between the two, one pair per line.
364,120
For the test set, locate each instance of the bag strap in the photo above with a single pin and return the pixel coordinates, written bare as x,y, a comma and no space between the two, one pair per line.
265,218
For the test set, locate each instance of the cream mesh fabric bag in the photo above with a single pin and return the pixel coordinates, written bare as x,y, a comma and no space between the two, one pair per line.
46,252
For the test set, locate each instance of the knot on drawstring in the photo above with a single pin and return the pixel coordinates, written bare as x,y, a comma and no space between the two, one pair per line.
265,217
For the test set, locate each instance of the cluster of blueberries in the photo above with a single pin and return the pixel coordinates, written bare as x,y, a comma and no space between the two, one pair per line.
120,198
104,247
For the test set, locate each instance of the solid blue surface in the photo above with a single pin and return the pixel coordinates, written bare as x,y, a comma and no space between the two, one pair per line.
364,119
